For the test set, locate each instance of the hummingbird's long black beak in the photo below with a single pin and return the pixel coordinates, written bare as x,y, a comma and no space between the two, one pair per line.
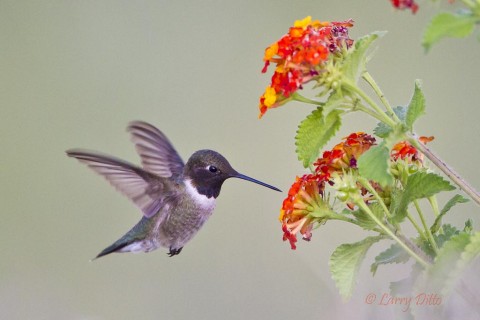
244,177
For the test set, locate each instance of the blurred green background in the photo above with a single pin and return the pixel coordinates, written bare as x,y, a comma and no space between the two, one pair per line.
74,73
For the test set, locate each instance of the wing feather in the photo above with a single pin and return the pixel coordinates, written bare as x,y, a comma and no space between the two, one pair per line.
145,189
156,152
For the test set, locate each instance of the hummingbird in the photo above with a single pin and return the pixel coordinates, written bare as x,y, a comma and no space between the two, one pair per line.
175,198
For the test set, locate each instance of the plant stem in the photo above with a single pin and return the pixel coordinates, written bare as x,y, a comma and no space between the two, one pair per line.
416,226
298,97
434,204
359,201
361,107
369,79
459,181
380,114
436,212
432,242
336,216
372,190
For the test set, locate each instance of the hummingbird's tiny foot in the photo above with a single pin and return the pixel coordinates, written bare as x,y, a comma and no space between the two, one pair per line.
174,252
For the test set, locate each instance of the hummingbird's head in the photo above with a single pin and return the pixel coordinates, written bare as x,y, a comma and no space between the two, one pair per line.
208,169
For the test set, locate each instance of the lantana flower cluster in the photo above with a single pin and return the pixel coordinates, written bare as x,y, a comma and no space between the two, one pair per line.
405,4
307,202
408,5
300,56
404,150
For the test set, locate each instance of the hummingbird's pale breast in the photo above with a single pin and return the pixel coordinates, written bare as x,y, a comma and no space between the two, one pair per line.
184,220
201,201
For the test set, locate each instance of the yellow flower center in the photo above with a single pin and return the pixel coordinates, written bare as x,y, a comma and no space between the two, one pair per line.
303,23
270,52
270,97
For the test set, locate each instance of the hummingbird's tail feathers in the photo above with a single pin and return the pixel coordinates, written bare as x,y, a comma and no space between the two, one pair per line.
142,187
157,153
135,240
126,244
116,247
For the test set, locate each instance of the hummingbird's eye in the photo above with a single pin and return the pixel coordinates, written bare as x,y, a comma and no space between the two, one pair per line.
212,169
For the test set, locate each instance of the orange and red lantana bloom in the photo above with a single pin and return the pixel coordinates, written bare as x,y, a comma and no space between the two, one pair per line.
404,150
405,4
305,204
294,214
306,192
299,57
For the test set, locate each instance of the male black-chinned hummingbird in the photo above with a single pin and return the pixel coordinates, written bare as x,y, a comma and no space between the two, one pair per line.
176,198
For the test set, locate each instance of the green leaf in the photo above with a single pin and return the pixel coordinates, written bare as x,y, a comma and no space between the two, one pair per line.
444,25
423,184
466,265
314,132
453,274
394,254
420,185
395,199
356,60
468,228
440,239
334,101
460,273
416,108
364,221
382,130
438,221
374,165
439,277
472,249
345,264
452,249
456,199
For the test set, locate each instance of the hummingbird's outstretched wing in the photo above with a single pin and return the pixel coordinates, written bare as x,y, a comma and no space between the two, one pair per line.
145,189
157,153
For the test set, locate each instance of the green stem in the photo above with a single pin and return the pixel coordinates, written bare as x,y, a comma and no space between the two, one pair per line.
432,242
369,79
416,226
298,97
379,113
389,232
361,107
455,177
336,216
434,204
436,211
364,182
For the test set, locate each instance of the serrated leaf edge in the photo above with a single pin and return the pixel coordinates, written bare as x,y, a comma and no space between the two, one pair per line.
368,242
